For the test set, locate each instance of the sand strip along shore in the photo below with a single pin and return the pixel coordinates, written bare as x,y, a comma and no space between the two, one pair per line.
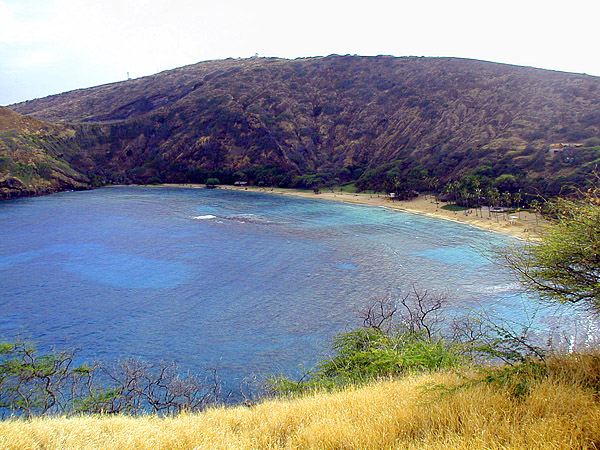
523,224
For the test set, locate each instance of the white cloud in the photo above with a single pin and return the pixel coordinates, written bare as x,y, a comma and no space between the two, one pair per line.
18,25
36,57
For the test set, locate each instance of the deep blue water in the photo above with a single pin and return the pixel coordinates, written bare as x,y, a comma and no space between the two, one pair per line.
251,283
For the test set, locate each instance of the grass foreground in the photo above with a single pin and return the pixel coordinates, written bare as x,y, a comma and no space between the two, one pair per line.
559,410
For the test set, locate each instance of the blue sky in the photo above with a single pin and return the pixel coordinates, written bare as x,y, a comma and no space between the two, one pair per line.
52,46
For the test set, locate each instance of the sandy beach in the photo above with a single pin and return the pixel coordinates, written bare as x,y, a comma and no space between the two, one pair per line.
521,224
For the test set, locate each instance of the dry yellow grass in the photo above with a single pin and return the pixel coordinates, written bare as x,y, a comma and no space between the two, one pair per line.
559,414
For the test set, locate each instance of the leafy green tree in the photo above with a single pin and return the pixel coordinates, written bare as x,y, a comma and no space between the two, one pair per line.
33,384
565,264
506,182
212,182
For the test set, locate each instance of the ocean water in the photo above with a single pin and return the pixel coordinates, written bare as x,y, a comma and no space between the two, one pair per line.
249,283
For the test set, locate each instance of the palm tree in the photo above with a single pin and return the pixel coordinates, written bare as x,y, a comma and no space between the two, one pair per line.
517,198
535,205
493,196
478,205
451,189
506,198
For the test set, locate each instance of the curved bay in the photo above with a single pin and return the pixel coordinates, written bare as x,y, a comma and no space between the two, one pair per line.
247,282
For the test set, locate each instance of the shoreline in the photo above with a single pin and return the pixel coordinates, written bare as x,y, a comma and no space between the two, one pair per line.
522,225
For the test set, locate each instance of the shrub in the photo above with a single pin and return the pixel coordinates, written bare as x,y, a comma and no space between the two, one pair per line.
39,384
397,337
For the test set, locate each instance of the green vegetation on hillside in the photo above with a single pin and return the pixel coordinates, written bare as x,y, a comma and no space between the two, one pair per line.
33,157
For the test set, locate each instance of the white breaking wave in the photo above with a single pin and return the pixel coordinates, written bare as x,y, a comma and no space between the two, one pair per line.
500,288
206,217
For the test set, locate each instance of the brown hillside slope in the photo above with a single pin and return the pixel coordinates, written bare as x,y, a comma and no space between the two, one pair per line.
442,116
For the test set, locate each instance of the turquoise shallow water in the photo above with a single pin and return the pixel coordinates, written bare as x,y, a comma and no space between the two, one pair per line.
247,282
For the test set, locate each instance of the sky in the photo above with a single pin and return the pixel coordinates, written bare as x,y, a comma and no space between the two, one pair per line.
53,46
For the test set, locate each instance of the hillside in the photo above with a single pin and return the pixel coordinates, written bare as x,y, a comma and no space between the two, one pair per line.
32,157
557,411
335,119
